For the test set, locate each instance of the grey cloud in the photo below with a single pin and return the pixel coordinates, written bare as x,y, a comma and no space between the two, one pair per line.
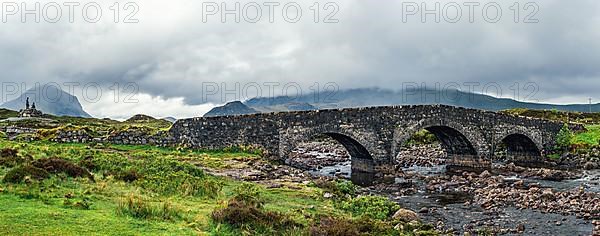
170,53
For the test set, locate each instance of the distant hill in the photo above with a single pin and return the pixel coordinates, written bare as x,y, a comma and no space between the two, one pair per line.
141,118
148,120
170,119
382,97
299,106
232,108
57,102
5,113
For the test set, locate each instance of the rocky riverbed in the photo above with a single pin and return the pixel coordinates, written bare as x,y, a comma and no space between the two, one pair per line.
507,199
317,155
426,155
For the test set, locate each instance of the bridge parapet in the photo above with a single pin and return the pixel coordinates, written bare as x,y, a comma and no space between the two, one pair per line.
371,134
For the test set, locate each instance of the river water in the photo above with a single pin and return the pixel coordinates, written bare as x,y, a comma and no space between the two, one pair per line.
450,209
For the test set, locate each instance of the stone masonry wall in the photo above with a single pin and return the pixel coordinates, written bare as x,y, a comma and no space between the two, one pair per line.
380,130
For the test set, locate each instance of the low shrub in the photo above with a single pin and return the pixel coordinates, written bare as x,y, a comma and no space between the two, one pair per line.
138,207
19,174
8,152
128,176
250,194
422,137
9,158
161,174
564,138
329,226
57,165
244,149
245,210
88,163
241,214
361,226
337,187
346,187
376,207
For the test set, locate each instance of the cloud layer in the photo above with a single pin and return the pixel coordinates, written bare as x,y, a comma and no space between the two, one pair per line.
172,55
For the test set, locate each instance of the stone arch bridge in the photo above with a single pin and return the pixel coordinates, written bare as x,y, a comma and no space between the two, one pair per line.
372,135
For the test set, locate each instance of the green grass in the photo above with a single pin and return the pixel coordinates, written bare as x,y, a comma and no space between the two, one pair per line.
54,206
19,216
93,126
422,137
562,116
589,138
5,113
169,195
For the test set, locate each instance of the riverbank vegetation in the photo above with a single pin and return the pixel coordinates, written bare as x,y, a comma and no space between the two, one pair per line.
586,139
73,189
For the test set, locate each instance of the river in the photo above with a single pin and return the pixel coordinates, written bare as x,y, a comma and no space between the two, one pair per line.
450,208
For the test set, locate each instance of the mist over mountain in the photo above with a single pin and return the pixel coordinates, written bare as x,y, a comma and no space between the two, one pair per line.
170,119
383,97
232,108
52,101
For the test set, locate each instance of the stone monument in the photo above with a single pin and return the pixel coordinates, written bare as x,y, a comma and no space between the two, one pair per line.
30,111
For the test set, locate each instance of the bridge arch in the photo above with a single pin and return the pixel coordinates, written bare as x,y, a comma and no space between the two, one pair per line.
520,144
454,137
520,141
358,143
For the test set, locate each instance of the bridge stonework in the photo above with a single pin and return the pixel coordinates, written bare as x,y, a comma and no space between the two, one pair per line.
373,135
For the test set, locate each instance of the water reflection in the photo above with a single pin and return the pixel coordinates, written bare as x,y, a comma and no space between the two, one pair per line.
363,178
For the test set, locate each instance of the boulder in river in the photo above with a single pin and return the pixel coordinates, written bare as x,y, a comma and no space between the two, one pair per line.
406,215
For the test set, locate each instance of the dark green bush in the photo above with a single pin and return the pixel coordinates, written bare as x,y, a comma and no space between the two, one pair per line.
8,152
242,214
329,226
88,163
128,176
375,207
563,138
422,137
250,194
57,165
245,210
18,174
346,187
337,187
9,158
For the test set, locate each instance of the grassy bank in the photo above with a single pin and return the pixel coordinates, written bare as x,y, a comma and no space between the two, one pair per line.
579,141
46,189
590,138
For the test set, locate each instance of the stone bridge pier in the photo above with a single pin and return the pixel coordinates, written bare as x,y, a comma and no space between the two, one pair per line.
373,136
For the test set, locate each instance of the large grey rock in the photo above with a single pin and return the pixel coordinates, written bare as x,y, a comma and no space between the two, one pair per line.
406,215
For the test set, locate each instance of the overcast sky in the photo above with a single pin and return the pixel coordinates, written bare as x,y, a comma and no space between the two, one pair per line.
175,59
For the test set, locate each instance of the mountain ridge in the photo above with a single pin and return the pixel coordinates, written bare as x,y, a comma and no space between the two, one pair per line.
364,97
58,102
